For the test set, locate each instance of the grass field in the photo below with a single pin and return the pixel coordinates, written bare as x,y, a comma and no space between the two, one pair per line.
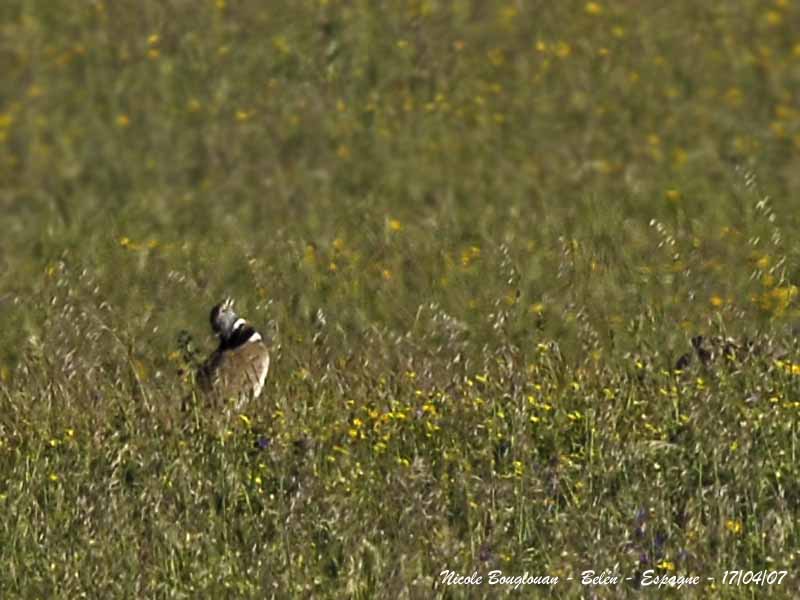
478,234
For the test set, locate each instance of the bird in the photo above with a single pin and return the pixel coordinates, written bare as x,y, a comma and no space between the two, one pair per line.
236,371
710,350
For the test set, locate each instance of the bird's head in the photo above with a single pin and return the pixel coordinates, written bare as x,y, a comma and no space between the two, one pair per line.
224,321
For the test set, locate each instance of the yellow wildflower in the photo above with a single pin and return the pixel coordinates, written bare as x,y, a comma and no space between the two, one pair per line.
593,8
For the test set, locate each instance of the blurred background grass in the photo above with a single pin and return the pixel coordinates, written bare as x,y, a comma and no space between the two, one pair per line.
405,198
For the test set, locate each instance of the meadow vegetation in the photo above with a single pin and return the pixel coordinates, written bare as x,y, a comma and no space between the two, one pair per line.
479,235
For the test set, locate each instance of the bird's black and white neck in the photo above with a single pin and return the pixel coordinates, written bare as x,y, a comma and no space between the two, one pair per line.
242,333
232,330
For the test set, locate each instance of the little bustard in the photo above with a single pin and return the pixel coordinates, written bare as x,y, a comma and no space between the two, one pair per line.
235,373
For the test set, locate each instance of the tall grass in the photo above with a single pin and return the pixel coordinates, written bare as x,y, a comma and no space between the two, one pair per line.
479,235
